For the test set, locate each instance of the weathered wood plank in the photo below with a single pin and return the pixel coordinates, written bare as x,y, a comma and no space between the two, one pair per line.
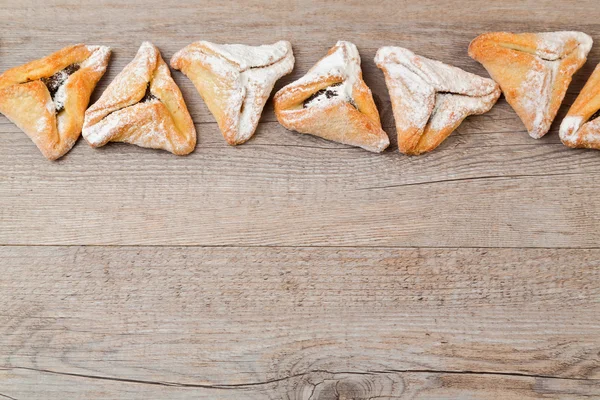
287,322
488,185
470,321
35,384
28,35
462,195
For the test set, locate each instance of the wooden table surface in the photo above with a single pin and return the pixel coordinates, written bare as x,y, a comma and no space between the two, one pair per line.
291,267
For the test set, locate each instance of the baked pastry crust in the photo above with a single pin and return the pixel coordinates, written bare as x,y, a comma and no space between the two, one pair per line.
47,98
581,126
534,70
332,101
430,99
235,81
142,106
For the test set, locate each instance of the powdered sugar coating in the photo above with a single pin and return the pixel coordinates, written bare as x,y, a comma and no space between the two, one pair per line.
97,62
428,91
536,92
123,114
552,46
569,127
246,74
108,128
348,115
533,69
330,94
537,87
60,97
102,122
246,57
453,108
442,77
54,83
343,64
122,91
575,133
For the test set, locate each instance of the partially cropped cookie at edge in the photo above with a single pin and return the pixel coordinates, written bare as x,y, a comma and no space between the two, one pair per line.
235,81
430,99
47,98
143,106
581,126
533,70
333,102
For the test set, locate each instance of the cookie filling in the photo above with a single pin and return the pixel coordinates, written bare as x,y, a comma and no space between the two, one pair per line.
148,96
55,85
321,97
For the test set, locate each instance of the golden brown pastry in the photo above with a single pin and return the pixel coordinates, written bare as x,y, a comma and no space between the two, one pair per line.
235,81
142,106
581,126
430,99
333,102
533,70
47,98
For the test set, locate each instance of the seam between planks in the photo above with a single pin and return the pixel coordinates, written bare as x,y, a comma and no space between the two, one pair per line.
307,247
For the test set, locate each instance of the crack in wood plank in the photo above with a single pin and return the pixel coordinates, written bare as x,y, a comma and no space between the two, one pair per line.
299,375
467,179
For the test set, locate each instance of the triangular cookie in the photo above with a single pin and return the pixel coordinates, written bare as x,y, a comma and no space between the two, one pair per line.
581,126
47,98
142,106
533,70
235,81
332,101
430,99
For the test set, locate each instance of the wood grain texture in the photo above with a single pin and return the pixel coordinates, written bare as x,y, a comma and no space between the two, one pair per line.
489,185
287,322
290,193
306,270
321,385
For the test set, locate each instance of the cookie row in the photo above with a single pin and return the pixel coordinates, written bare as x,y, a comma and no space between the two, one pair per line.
47,98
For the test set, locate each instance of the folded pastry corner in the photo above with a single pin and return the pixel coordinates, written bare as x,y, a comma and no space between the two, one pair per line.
142,106
235,81
581,126
332,101
47,98
430,99
533,70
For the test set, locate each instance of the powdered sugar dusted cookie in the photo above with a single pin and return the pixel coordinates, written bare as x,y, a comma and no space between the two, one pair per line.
332,101
47,98
429,98
235,81
142,106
